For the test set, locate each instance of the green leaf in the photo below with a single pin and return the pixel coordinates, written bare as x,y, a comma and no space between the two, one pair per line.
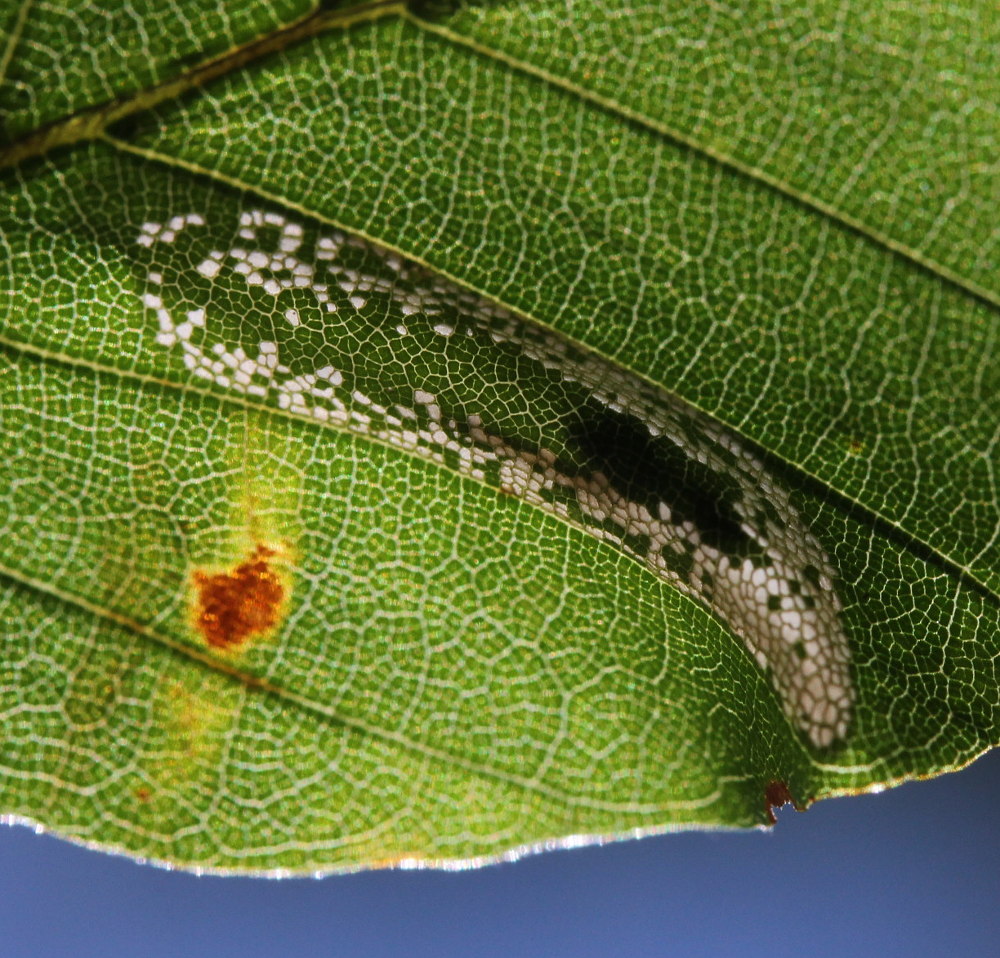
433,433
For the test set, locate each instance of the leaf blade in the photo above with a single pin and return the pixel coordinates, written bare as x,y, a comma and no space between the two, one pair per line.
660,714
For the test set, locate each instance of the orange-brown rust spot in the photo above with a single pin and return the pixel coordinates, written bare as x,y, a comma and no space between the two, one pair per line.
775,795
239,605
143,794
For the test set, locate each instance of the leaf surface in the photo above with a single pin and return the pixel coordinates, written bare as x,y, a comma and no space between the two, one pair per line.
400,428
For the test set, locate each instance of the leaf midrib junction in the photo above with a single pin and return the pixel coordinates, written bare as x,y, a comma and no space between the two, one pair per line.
91,122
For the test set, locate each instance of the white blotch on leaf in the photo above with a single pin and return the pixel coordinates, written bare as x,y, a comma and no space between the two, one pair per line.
754,562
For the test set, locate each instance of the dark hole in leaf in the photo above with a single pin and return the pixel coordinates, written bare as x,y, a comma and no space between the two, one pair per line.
653,469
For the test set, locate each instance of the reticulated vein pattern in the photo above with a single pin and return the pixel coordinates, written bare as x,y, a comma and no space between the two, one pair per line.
334,329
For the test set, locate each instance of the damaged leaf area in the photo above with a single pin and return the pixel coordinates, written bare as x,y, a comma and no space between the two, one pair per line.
236,606
396,478
777,795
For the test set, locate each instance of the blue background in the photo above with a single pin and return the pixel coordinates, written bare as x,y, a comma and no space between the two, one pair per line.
913,871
